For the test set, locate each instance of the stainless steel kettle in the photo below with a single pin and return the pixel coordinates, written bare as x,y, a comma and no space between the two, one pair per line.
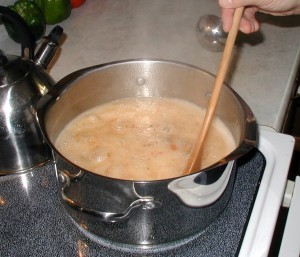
23,81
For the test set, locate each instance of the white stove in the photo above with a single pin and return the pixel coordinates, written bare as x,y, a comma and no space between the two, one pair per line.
277,149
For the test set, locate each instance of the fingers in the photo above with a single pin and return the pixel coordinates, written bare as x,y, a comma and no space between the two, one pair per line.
227,17
248,23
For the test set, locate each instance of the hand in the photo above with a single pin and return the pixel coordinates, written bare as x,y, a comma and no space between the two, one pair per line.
249,23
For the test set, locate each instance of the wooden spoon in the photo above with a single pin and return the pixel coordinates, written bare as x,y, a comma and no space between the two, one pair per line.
194,162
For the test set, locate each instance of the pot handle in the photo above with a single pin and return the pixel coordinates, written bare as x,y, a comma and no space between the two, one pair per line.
146,202
195,194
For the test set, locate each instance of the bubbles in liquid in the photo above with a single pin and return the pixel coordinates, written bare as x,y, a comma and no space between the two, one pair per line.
83,137
90,120
141,138
100,155
122,125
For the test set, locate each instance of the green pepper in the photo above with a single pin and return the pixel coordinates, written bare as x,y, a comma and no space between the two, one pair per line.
54,11
32,16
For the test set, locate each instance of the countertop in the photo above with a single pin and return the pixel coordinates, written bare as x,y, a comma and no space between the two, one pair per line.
264,65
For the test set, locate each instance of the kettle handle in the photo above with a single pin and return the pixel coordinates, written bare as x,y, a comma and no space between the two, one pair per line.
26,36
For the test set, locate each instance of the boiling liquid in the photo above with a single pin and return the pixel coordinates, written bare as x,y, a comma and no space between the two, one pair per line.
141,138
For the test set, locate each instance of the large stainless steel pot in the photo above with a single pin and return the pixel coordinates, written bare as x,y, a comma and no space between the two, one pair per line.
143,213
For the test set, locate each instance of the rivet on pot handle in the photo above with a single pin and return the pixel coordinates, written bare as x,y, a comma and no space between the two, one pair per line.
146,202
197,195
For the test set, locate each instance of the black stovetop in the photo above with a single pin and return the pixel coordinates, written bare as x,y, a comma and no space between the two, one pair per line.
35,223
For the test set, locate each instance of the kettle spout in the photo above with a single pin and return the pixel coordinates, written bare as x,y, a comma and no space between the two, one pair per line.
48,47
